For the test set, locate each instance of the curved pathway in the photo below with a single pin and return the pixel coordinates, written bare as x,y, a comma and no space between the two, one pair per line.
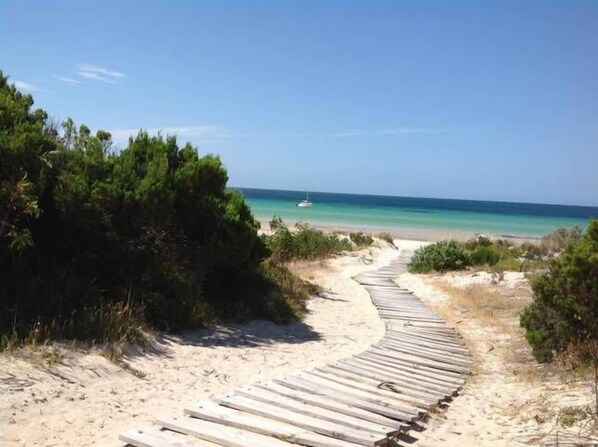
371,399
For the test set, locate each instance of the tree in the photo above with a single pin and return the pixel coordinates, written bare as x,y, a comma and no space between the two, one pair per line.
85,232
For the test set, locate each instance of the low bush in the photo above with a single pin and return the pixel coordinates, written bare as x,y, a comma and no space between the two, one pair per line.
360,239
485,255
440,257
385,236
556,241
480,240
302,243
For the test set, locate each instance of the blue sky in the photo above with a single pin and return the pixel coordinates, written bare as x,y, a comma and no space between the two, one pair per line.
493,100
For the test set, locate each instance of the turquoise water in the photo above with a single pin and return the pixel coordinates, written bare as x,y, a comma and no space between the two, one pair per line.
371,213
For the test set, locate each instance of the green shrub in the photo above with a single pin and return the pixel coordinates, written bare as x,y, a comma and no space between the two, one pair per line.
96,244
559,239
303,243
565,307
484,255
385,236
439,257
480,240
360,239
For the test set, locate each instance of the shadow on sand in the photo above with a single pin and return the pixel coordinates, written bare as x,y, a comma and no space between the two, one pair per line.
255,333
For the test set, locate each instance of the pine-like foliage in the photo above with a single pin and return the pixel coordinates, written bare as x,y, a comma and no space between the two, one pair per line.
565,308
150,231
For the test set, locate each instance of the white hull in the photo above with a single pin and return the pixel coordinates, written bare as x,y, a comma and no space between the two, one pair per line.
304,204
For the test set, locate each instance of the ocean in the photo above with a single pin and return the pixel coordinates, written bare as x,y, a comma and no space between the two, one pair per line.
396,214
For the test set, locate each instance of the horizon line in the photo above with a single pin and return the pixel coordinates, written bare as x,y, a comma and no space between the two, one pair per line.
419,197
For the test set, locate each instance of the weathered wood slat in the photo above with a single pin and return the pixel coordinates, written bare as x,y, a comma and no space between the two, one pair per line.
219,434
315,411
405,392
431,371
227,417
369,386
420,359
448,382
155,437
408,379
377,408
408,395
336,431
461,365
406,338
330,404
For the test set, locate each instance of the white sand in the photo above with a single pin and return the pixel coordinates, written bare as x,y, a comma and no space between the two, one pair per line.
87,400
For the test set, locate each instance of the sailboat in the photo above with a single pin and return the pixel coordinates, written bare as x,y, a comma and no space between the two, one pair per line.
305,203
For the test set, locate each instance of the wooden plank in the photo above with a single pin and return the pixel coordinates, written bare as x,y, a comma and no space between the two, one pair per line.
279,414
219,434
272,398
436,350
330,404
155,437
416,394
368,385
460,364
449,347
364,395
425,378
415,357
418,368
407,378
430,350
427,336
301,385
227,417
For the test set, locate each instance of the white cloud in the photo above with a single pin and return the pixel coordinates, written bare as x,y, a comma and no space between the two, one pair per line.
121,136
365,133
26,86
408,130
97,73
66,79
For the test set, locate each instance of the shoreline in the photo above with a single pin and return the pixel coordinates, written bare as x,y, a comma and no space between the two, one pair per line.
402,233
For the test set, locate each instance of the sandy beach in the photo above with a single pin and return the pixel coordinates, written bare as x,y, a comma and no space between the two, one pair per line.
85,400
405,234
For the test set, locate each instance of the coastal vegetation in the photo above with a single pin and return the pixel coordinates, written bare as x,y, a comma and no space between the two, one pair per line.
495,255
564,313
307,243
385,236
100,245
440,257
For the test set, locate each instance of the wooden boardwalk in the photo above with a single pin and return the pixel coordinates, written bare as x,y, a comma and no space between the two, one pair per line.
370,399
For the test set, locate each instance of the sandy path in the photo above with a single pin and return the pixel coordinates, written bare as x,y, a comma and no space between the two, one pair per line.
86,400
